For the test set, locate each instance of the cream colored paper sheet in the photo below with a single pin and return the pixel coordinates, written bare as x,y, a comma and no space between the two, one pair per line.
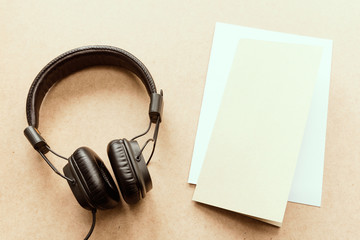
257,136
308,178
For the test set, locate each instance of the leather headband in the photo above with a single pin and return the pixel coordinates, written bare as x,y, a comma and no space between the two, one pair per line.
76,60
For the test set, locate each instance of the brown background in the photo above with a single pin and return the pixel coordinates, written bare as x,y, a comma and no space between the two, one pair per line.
92,107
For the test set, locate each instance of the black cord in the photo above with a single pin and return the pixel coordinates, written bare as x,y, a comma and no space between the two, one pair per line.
54,168
147,130
155,139
142,149
92,225
71,180
56,154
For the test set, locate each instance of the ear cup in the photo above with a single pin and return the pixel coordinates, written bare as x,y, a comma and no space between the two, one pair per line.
94,187
124,171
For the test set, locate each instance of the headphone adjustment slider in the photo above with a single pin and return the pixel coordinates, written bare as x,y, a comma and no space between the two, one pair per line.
36,140
156,107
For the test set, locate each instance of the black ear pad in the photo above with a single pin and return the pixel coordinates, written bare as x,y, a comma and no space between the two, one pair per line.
94,187
132,181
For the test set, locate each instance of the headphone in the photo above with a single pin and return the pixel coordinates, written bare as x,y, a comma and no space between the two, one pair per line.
86,174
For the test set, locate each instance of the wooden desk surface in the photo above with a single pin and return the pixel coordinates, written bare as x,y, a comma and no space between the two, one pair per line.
173,39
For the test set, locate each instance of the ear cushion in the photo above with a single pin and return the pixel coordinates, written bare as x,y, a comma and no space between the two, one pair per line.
124,171
95,178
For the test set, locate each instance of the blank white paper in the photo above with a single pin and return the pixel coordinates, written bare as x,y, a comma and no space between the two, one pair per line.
307,183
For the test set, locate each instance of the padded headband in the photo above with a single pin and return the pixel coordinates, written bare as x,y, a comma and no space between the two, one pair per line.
78,59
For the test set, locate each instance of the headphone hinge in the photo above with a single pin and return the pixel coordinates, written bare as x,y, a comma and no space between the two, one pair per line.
36,140
156,107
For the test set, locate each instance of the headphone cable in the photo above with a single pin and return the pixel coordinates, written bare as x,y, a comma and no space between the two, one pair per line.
56,154
156,132
92,225
54,168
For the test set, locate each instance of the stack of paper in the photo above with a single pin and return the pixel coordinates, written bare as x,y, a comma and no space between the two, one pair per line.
263,116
